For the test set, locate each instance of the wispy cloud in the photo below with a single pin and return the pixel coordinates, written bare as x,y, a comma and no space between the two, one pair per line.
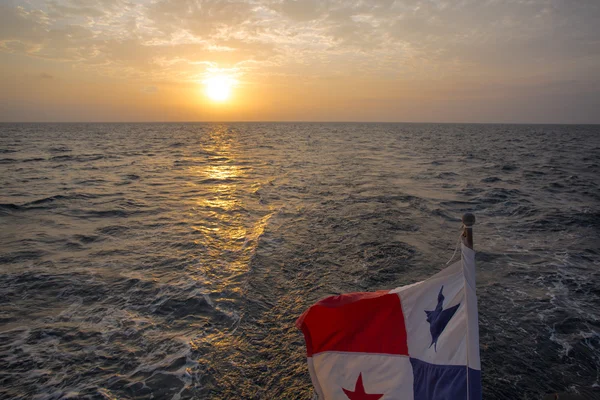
371,36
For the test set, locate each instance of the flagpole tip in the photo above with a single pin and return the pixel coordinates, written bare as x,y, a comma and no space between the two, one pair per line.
468,219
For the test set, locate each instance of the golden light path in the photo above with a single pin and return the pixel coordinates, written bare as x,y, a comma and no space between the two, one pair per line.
229,233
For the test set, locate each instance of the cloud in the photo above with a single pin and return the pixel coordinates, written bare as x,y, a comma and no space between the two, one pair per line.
177,40
21,31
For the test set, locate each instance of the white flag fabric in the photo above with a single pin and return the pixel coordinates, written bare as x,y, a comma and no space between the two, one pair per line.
415,342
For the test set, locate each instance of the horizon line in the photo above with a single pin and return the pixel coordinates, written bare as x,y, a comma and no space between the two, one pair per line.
297,121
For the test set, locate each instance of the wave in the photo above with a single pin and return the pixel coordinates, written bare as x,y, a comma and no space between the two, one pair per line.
78,158
59,149
60,197
558,220
20,256
499,195
217,180
116,213
509,167
10,207
491,179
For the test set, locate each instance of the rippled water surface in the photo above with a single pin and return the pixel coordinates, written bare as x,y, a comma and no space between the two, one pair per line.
171,260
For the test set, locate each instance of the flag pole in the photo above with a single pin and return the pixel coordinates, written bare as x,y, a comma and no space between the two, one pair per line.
468,221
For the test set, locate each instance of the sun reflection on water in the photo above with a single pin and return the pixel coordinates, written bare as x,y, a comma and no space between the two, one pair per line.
229,233
222,172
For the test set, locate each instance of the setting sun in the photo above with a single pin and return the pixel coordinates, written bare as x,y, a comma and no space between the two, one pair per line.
218,88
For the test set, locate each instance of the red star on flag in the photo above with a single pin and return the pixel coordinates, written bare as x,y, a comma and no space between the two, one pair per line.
359,392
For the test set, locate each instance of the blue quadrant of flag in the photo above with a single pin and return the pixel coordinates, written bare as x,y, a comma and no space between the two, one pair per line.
444,382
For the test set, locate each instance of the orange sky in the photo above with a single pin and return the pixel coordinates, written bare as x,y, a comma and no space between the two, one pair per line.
329,60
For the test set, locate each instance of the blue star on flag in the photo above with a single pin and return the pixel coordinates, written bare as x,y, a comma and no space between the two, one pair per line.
439,318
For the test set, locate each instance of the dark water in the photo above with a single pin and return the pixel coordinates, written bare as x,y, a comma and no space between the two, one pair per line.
171,260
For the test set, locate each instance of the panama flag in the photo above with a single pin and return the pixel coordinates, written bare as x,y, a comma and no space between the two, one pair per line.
416,342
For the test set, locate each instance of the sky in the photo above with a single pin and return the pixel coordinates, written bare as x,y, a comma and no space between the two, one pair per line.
516,61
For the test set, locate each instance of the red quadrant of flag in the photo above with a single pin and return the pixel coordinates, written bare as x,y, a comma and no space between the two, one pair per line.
356,322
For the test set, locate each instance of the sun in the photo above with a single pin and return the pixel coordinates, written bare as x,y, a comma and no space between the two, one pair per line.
218,87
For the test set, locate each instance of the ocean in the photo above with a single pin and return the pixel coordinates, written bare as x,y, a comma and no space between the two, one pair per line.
170,261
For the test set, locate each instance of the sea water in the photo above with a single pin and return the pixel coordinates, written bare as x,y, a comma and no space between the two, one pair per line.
171,260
